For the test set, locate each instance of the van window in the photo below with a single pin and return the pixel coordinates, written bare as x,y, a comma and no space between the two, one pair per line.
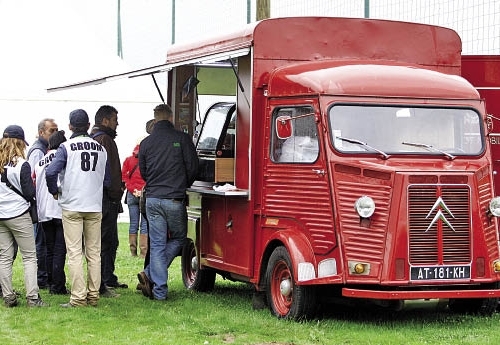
360,129
302,145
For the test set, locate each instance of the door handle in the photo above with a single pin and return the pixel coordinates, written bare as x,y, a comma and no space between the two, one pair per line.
319,171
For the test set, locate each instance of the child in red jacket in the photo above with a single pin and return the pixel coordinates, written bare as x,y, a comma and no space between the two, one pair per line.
134,183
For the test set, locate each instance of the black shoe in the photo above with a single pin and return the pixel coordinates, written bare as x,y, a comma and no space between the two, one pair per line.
59,292
118,285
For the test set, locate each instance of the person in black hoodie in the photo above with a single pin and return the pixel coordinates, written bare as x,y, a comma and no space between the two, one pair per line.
104,132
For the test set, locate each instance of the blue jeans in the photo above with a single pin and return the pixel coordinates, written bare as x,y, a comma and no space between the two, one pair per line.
167,233
135,216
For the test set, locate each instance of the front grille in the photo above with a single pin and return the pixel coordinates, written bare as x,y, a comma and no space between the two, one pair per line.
439,224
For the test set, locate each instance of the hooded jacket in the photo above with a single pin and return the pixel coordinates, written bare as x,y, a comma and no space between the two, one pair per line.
131,173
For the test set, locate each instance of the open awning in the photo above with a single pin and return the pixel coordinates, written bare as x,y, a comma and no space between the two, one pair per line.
209,60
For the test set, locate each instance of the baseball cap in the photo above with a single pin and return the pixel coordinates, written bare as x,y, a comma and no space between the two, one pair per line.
78,118
14,131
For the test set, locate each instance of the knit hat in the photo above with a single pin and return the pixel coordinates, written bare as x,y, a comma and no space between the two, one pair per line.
56,139
14,131
78,118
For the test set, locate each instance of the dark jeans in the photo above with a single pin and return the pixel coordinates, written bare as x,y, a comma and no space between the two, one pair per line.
109,241
56,255
41,256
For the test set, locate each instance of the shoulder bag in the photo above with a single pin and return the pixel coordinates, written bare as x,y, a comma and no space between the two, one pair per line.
32,210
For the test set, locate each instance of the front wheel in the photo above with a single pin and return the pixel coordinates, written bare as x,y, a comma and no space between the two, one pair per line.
480,306
193,277
284,297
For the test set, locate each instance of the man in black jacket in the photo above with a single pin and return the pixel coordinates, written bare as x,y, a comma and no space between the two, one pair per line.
168,163
104,132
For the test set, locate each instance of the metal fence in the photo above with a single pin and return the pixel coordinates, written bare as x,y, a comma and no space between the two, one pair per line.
476,21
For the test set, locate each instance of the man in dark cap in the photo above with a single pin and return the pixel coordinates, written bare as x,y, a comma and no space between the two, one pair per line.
81,163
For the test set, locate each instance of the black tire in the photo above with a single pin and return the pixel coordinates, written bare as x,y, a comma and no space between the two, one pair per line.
193,277
285,299
479,306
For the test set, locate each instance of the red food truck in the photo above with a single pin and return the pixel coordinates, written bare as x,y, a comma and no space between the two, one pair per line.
342,158
357,164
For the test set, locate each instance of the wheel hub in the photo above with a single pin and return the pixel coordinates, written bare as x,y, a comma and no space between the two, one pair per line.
286,287
194,263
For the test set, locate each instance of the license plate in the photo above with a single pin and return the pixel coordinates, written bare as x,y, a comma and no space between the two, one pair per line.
439,272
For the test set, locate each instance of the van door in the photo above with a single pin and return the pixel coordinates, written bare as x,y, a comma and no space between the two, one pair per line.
296,187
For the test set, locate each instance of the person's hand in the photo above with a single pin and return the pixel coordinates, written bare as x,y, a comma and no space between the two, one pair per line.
137,193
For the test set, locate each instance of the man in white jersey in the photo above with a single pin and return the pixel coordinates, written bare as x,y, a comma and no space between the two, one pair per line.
81,165
39,148
50,217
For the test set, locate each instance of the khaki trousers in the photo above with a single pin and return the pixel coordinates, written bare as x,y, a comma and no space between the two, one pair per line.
82,233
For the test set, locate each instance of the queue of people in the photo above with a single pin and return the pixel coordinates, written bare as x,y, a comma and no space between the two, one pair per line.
76,184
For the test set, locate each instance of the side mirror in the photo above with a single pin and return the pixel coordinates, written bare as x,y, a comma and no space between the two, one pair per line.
284,127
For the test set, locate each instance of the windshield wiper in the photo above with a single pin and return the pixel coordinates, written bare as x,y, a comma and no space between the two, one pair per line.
365,145
430,148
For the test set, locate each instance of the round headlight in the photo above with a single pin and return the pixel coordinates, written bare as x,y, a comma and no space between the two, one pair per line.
365,206
495,206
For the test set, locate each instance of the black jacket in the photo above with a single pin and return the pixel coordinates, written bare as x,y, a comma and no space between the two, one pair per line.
105,136
167,161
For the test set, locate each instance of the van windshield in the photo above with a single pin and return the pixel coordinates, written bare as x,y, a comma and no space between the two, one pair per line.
393,130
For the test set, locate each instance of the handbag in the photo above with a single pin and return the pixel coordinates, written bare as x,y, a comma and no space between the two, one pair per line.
32,210
129,177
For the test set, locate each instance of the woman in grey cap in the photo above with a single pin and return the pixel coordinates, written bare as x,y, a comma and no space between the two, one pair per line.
16,187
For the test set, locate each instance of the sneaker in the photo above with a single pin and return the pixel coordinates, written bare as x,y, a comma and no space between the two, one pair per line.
67,305
109,293
139,287
34,303
147,290
10,301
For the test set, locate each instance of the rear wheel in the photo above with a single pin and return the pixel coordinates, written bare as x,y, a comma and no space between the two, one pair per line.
193,277
284,297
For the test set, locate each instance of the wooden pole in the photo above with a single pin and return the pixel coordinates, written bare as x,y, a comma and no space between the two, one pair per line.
263,9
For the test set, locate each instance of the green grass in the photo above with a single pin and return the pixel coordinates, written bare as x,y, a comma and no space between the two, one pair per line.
225,316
